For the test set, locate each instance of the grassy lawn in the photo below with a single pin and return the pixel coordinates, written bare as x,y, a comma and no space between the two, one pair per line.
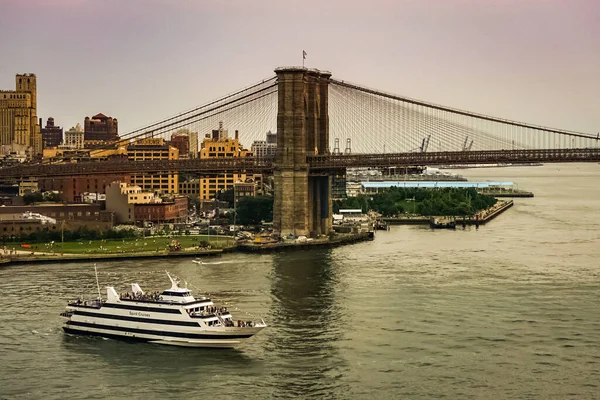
147,244
410,207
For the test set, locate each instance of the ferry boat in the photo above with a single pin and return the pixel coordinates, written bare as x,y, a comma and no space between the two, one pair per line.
173,317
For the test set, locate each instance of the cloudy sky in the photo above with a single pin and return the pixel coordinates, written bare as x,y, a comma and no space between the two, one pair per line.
536,61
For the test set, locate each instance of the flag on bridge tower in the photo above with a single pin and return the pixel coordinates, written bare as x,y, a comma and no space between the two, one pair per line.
303,57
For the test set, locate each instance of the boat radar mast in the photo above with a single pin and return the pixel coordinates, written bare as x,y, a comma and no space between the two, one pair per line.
97,282
174,282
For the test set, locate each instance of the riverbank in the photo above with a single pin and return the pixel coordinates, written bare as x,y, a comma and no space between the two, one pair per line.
25,257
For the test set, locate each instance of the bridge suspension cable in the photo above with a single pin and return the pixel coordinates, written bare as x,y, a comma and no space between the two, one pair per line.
378,121
251,111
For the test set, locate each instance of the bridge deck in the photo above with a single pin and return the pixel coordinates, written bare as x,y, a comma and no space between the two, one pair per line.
316,164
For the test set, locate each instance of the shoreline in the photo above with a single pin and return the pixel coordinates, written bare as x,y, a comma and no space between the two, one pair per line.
70,258
238,248
244,247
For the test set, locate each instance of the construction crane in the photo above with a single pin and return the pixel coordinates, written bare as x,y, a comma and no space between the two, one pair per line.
424,145
464,146
470,146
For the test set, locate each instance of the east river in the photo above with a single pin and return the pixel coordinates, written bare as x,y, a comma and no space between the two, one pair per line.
507,311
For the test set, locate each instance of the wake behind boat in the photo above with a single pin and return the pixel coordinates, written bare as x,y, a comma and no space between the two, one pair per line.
173,317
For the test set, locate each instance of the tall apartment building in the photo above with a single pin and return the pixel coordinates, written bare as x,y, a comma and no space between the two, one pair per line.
154,149
181,141
19,128
265,148
186,142
52,135
100,129
220,145
74,138
193,144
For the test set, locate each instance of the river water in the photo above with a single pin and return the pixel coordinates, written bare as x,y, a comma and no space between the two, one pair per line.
506,311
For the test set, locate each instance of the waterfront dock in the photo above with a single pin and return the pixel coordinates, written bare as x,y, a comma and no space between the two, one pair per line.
510,193
480,218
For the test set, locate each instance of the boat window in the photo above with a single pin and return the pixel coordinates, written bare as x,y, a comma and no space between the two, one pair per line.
179,294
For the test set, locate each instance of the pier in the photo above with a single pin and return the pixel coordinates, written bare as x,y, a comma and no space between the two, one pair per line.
480,218
339,240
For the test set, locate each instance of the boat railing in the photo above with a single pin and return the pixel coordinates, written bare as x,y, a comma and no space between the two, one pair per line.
150,297
201,314
211,312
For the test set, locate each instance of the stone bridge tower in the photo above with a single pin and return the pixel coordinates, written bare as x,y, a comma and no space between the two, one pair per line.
302,201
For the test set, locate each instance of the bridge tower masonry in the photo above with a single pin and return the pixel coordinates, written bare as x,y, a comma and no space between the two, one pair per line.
302,200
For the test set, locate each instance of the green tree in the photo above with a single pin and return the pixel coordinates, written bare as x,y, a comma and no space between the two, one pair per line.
226,195
253,210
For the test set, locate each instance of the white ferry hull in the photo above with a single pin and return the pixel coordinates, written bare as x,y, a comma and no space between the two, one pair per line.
157,339
213,344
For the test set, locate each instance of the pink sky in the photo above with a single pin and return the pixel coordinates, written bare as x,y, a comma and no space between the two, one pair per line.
536,61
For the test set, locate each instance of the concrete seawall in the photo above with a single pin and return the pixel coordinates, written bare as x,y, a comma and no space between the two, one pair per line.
292,245
491,213
71,258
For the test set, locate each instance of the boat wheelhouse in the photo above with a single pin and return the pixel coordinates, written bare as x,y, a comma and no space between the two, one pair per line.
173,317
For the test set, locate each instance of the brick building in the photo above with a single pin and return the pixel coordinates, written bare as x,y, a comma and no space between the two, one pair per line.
121,199
181,141
244,189
17,225
100,129
61,211
52,135
175,211
73,187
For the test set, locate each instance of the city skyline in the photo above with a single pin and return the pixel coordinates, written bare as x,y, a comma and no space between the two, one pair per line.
140,61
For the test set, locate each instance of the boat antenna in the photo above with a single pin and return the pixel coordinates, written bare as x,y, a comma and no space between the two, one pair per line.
97,283
174,283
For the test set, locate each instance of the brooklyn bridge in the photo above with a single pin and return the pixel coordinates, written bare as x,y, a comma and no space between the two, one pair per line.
325,125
